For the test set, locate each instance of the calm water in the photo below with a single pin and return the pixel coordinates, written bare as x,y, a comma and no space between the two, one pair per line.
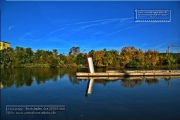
84,99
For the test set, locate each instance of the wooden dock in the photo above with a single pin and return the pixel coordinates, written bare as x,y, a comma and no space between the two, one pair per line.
131,73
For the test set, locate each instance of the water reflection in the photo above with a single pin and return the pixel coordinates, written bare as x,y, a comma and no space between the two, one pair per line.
25,77
89,87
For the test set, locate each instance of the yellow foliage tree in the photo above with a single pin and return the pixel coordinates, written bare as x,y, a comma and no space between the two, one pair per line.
98,57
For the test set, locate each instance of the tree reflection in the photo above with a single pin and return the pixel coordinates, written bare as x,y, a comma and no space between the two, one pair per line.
26,76
18,77
42,75
167,79
152,81
72,75
131,83
104,81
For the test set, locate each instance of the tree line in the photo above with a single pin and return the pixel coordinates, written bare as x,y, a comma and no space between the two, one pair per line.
129,57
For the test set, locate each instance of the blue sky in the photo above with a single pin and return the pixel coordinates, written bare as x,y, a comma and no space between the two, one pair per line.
89,25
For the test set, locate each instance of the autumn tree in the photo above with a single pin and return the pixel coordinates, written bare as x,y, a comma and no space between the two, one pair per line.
98,57
91,53
116,58
127,54
140,57
151,58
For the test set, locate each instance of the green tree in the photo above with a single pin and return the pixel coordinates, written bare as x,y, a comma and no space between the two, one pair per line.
108,58
81,60
7,57
52,62
29,55
133,64
55,52
20,57
169,60
74,51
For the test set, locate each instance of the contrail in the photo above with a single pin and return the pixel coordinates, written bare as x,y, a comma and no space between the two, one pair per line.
88,24
10,27
117,31
103,20
50,33
84,27
26,35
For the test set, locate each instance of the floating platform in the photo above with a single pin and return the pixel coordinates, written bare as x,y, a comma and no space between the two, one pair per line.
131,73
129,78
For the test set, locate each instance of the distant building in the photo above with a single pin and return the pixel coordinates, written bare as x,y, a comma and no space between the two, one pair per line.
4,45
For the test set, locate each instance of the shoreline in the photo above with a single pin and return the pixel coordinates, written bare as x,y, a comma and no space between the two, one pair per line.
133,68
